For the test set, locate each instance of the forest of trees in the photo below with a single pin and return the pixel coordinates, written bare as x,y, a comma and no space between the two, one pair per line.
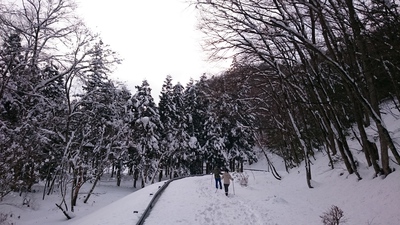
303,73
64,122
313,68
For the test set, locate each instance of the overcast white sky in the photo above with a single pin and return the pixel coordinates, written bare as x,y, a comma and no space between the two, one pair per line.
155,38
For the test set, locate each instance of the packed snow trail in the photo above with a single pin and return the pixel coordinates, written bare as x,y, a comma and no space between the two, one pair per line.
180,202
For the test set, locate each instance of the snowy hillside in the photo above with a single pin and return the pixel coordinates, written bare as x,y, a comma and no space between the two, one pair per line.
265,201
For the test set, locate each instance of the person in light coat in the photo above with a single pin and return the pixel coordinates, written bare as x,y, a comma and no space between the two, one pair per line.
226,177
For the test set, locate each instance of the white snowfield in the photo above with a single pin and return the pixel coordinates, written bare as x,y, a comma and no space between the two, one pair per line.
265,201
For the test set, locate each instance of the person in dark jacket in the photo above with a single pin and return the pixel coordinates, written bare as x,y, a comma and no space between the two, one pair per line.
227,180
217,176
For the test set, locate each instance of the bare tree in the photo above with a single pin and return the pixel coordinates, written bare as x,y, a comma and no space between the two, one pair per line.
52,37
291,36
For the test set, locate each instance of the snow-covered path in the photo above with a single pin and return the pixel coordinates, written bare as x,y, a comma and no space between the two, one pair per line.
203,204
267,201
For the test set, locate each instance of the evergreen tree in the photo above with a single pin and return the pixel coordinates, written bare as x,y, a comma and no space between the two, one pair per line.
10,61
200,118
167,114
239,136
201,107
146,136
182,157
192,124
208,126
166,104
214,148
10,72
119,154
19,107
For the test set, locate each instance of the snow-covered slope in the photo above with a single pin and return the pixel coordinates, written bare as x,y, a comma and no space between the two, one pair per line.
264,201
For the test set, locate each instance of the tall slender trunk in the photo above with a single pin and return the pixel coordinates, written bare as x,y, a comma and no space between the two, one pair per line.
304,147
367,146
135,177
119,162
344,157
97,178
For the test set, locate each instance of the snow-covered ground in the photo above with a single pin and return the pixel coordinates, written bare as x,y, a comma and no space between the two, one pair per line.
264,201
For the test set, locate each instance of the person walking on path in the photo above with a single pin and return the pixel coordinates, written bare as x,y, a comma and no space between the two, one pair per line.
217,176
227,180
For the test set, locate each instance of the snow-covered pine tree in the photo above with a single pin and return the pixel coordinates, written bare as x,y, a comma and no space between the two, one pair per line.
215,136
214,149
191,103
166,110
230,137
199,106
165,105
240,141
10,112
201,109
238,120
118,152
182,157
10,61
146,133
25,107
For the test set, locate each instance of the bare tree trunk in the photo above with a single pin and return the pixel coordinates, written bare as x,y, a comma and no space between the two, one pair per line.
344,157
113,169
135,177
51,187
64,211
369,150
76,186
384,151
118,172
304,147
143,178
97,178
160,175
270,164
